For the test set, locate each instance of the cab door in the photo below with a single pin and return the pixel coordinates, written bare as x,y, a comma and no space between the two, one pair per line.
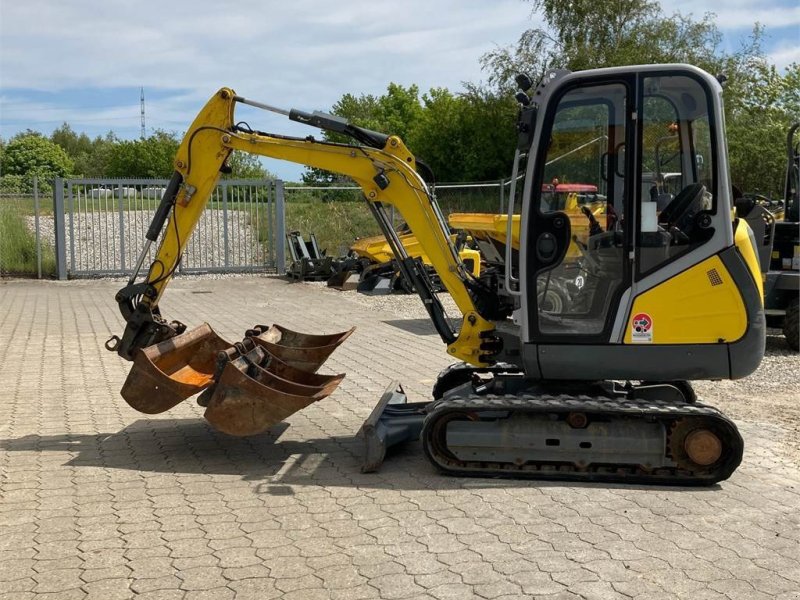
576,256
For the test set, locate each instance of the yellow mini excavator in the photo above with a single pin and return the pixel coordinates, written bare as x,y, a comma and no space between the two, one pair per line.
670,291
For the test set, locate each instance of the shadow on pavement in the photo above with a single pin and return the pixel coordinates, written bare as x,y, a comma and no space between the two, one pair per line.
187,446
415,326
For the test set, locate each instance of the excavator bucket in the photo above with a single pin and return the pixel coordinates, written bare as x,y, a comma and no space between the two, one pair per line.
249,399
165,374
300,350
247,387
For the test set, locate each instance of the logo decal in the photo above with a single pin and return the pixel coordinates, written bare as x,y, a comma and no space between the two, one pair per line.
642,328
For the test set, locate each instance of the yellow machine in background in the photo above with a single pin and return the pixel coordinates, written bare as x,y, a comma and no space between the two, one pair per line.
598,390
376,252
489,231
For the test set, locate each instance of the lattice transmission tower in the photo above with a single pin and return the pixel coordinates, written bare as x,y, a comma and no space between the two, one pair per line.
142,111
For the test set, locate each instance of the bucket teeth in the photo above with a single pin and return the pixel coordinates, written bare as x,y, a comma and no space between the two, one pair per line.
249,386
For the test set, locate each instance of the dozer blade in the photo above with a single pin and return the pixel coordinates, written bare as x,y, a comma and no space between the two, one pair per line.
393,421
248,399
300,350
165,374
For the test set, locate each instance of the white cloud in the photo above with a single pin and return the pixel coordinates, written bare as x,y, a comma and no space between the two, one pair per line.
298,53
738,14
783,56
304,47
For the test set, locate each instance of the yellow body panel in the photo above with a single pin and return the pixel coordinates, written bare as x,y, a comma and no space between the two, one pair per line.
701,305
377,249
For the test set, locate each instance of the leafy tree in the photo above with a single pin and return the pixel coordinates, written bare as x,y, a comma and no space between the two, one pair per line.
14,184
759,102
246,166
396,113
585,34
466,137
90,156
72,143
149,157
462,137
30,154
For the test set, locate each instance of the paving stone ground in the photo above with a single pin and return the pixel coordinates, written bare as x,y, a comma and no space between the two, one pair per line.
99,501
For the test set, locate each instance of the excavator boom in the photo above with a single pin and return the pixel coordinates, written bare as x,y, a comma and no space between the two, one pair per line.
172,364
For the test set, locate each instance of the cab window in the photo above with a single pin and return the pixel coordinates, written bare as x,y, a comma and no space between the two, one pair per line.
677,187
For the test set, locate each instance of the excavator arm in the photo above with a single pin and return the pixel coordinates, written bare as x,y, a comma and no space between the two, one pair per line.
381,165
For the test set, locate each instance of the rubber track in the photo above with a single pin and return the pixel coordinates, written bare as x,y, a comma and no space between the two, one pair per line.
665,412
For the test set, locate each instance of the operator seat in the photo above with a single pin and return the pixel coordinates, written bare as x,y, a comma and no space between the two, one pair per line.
681,204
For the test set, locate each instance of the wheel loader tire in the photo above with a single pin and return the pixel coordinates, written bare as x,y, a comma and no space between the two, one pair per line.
791,324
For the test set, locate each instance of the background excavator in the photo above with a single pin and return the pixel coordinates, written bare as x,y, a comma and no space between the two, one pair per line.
598,391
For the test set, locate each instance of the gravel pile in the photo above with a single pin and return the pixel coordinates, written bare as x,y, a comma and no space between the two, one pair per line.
98,245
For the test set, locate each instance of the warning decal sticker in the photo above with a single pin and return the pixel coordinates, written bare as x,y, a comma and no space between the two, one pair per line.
642,328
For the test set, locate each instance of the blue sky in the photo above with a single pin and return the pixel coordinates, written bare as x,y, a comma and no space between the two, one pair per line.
84,61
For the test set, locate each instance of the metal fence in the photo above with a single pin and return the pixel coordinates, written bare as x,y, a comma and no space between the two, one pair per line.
100,226
337,215
96,227
485,197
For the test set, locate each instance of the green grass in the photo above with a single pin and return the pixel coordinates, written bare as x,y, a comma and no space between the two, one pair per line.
335,224
18,245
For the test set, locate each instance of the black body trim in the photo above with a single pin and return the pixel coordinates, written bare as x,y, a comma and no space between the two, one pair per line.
747,352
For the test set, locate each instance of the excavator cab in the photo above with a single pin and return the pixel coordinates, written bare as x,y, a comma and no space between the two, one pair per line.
665,289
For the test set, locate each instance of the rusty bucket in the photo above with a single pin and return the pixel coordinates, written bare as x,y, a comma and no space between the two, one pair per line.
247,387
300,350
165,374
248,399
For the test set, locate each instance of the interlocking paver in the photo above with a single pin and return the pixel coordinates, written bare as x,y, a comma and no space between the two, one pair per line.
100,501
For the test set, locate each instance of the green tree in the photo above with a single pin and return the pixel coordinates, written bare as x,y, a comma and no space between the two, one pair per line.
461,137
583,34
89,156
150,157
72,143
466,137
31,154
246,166
396,113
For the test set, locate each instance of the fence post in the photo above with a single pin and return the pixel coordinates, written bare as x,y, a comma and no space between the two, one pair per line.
60,228
38,231
226,253
280,228
72,262
502,198
121,228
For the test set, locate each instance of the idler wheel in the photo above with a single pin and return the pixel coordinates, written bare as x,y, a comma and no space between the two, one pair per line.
703,447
